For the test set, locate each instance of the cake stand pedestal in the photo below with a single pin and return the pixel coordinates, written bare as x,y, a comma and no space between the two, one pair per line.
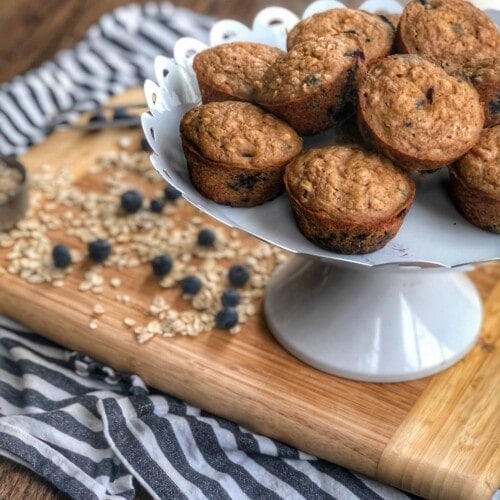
383,324
383,317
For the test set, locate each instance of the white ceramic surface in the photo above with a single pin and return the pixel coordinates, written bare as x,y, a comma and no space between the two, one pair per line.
375,325
368,325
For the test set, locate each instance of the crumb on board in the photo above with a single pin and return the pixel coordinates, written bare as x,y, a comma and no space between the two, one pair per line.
98,309
115,282
59,205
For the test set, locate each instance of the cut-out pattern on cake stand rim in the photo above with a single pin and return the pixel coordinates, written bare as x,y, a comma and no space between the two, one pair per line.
403,312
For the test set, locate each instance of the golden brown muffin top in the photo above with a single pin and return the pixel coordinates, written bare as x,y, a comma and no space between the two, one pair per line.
413,104
480,167
448,31
347,182
234,67
309,66
375,33
239,133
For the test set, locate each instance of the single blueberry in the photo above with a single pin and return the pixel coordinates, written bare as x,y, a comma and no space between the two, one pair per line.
162,265
429,95
206,238
226,318
171,194
131,201
99,250
356,54
61,256
230,297
120,113
190,285
238,275
97,118
156,205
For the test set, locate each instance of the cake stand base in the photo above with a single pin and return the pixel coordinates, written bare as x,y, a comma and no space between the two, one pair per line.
372,324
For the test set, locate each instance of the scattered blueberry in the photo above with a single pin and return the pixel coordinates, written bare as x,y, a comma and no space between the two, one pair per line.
206,238
226,318
99,250
131,201
121,114
145,145
230,298
238,275
156,205
61,256
191,285
97,118
171,194
162,265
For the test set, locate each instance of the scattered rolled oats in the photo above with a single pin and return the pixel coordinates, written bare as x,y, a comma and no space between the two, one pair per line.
129,321
62,206
98,309
115,282
124,142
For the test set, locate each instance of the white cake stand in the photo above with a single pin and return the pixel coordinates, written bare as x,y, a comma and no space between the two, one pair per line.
401,313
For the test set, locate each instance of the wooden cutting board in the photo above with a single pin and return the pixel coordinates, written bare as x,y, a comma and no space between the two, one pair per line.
436,437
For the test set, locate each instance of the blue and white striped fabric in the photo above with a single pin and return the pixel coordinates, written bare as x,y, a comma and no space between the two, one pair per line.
85,428
117,53
89,430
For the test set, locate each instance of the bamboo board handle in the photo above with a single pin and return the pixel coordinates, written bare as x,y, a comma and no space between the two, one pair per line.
453,427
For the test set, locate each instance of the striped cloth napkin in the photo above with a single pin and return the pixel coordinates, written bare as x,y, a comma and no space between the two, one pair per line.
84,427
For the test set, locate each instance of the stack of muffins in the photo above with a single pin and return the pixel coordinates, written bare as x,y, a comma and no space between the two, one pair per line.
424,89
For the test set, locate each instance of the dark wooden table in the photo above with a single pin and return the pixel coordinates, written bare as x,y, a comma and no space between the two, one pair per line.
32,32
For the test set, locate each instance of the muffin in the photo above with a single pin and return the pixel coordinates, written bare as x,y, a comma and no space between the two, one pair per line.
236,153
419,116
376,33
475,182
313,85
228,72
347,199
450,32
484,74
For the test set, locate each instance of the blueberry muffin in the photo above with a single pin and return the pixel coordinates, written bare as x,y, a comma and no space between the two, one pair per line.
484,74
347,199
450,32
313,85
236,153
475,182
376,33
419,116
228,72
